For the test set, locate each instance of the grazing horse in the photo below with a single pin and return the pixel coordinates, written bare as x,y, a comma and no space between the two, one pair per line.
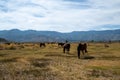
42,44
81,48
61,44
66,47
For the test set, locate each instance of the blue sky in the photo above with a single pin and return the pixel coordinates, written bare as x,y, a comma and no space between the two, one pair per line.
60,15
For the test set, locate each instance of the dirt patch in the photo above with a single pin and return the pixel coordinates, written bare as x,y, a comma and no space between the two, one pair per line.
42,63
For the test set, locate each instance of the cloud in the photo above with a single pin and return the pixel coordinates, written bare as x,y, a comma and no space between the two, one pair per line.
59,15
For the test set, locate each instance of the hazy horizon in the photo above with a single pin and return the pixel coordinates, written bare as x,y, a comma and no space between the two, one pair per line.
58,31
60,15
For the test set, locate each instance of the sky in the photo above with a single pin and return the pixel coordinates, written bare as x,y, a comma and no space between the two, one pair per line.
60,15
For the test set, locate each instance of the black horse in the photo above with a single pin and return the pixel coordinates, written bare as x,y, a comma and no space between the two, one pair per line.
81,48
66,47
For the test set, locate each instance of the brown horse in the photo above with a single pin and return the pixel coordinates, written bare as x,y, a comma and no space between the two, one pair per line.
81,48
66,47
61,44
42,45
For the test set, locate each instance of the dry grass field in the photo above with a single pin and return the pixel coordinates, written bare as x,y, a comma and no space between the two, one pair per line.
28,61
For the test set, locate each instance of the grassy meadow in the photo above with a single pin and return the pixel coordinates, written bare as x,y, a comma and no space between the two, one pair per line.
27,61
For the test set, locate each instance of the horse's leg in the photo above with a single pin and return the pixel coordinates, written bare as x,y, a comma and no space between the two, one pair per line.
78,54
63,49
68,50
83,52
86,51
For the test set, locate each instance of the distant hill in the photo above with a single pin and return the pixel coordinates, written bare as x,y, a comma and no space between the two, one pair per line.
2,40
50,36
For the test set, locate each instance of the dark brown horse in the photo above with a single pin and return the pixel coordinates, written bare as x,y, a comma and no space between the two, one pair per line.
42,45
66,47
61,44
81,48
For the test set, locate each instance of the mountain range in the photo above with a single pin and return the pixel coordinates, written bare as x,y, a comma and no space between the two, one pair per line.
52,36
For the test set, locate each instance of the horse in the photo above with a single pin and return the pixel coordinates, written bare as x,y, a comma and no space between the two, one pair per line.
66,47
81,48
61,44
42,44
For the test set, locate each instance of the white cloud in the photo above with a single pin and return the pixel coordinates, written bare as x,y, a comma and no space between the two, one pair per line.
59,15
